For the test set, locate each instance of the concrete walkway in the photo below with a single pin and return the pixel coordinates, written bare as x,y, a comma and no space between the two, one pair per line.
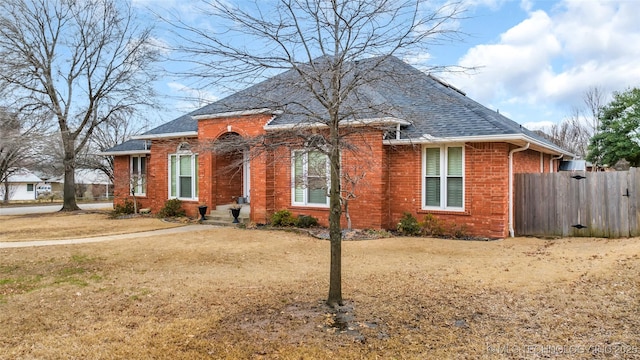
169,231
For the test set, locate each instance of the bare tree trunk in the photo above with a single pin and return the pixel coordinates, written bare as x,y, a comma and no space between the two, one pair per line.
69,191
335,204
335,232
135,202
346,213
6,191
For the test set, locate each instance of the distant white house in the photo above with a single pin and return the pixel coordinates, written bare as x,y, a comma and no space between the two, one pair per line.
90,184
22,185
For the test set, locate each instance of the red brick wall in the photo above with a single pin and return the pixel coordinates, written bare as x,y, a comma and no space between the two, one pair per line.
218,182
486,186
391,186
365,160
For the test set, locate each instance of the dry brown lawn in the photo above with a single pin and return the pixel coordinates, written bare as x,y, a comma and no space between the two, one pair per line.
68,225
242,294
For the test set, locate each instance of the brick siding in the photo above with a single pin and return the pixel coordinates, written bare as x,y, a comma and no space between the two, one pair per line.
392,184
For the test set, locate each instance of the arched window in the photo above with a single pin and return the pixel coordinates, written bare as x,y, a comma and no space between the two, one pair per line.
184,148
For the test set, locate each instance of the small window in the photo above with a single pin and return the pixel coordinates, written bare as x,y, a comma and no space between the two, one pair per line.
183,176
443,180
310,171
29,187
138,178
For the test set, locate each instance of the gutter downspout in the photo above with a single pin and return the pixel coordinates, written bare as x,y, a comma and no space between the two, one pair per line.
510,200
551,161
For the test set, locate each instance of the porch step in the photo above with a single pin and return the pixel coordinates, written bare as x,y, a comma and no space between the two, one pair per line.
222,216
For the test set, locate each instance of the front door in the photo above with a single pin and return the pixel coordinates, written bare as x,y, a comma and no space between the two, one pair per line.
246,176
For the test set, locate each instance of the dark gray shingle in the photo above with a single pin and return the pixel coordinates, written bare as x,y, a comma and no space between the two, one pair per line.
389,87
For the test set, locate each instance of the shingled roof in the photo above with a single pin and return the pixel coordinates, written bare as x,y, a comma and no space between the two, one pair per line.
426,107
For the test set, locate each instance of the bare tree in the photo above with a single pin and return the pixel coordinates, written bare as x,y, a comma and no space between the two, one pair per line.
321,42
572,134
116,130
82,61
575,132
16,145
594,100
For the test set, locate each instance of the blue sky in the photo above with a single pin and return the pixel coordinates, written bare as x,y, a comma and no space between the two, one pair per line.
534,59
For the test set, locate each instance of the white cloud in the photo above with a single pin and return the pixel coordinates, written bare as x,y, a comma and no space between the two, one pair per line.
552,57
526,5
538,125
190,98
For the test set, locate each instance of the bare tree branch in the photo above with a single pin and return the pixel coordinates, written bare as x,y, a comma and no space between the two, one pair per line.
333,51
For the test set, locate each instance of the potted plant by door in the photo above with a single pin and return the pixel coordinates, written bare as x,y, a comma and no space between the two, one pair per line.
202,210
235,212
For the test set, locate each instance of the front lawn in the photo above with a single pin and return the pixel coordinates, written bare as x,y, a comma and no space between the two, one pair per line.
241,294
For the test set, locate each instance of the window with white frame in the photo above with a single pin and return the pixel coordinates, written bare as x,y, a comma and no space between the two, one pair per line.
443,177
138,175
309,171
183,175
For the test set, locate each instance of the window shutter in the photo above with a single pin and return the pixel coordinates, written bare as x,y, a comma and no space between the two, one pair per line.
185,165
454,192
433,162
298,178
432,180
172,172
432,191
143,165
195,174
454,161
454,178
185,187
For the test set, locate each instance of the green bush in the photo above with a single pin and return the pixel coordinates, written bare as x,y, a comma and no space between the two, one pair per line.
172,208
124,209
408,225
307,221
283,218
432,226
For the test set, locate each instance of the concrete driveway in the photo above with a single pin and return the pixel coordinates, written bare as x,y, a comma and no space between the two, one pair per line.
40,209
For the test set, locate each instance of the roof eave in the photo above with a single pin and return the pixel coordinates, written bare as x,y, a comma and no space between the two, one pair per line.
519,139
174,135
125,152
237,113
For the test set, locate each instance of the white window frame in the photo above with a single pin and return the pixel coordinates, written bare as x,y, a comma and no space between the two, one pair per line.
305,173
194,175
140,188
443,177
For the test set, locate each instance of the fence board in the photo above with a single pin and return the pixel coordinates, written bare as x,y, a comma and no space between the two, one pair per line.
605,204
634,201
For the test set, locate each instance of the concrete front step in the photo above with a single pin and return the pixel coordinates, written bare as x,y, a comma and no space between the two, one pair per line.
222,217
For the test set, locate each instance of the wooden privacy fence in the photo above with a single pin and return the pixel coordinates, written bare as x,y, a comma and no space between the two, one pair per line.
601,204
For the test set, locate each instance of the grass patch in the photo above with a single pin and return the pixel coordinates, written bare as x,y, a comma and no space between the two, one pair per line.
77,270
73,225
229,294
80,259
140,294
7,269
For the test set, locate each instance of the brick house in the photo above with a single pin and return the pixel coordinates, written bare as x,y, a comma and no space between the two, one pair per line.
417,145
